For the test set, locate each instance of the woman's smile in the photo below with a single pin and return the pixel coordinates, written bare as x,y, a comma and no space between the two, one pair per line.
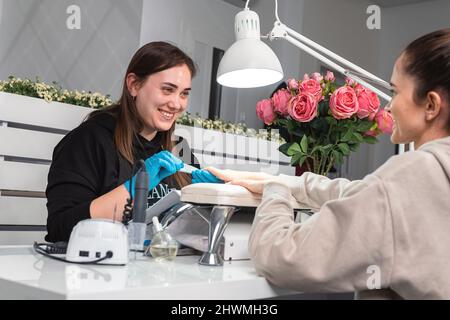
162,98
165,115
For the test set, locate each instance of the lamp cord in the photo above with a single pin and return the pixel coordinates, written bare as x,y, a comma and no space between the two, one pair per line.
276,11
46,249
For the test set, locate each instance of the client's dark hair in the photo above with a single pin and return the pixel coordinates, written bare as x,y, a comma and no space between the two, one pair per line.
427,59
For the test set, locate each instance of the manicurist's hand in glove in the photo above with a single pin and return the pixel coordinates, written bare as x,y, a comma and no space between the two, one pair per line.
159,166
204,176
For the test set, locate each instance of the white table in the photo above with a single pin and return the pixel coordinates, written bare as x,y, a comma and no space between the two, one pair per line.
25,274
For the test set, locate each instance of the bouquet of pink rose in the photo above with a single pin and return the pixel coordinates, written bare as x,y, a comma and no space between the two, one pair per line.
324,121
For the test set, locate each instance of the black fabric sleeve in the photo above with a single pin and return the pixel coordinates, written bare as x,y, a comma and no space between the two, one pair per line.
74,180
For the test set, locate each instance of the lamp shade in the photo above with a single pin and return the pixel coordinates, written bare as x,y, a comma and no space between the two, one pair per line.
249,62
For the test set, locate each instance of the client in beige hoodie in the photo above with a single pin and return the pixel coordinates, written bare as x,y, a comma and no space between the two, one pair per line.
389,231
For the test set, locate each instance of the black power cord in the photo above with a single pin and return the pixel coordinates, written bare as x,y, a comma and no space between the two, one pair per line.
127,211
54,248
47,249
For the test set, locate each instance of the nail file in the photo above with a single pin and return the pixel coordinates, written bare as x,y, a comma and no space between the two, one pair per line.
188,168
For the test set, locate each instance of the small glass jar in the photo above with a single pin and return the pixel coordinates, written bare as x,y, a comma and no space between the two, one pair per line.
163,246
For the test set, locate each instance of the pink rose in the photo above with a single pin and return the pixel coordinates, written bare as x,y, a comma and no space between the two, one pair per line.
384,121
343,103
350,81
368,102
312,86
305,76
371,133
265,112
330,76
292,84
280,101
317,76
358,88
303,107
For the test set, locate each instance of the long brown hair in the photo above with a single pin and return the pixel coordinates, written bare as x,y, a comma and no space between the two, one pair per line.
428,61
149,59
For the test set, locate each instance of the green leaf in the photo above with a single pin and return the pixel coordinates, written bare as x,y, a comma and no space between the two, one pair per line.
353,146
334,137
358,137
294,149
331,120
304,144
338,156
302,160
285,147
371,140
320,126
327,147
297,132
344,148
322,108
316,148
364,126
296,158
281,122
291,126
347,136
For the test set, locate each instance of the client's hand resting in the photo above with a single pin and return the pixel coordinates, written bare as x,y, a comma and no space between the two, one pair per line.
255,186
228,175
253,181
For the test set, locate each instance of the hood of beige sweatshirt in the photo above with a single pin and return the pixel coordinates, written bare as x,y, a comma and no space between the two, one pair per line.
440,149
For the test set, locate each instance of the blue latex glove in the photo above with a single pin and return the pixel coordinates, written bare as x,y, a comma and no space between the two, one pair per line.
204,176
159,166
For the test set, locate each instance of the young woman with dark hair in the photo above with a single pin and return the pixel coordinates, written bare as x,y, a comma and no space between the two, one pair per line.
92,168
389,231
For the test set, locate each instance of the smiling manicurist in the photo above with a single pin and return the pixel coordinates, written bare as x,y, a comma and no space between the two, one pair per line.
91,174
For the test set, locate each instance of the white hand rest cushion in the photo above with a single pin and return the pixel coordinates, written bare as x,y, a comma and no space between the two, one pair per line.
224,194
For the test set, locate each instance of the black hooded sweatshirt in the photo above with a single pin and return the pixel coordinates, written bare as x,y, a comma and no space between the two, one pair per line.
86,164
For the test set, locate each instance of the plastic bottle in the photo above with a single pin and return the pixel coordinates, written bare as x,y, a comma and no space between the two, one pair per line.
163,246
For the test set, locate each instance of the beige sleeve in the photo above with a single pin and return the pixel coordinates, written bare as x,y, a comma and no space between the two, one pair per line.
336,250
314,190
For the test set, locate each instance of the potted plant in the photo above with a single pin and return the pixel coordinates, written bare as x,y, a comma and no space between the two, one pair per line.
324,122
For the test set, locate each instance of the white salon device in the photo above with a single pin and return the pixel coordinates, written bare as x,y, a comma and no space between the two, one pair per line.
93,239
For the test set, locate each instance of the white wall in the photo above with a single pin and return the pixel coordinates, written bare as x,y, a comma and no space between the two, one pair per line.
403,24
36,42
341,27
1,13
